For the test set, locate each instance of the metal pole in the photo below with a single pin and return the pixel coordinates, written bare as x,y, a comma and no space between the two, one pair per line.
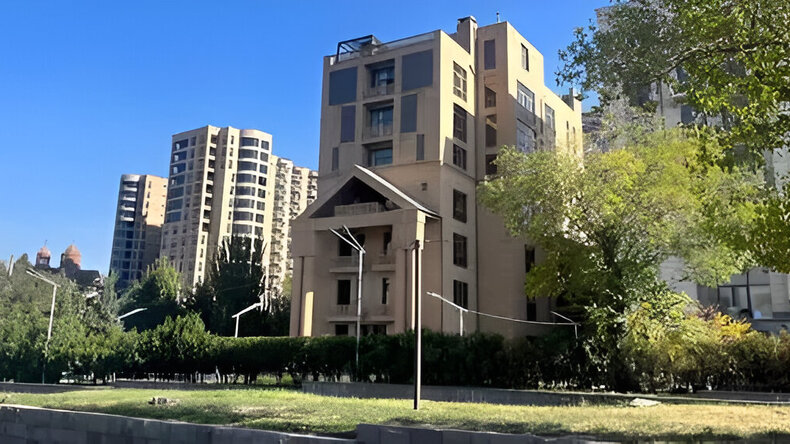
417,327
49,333
361,253
236,335
461,318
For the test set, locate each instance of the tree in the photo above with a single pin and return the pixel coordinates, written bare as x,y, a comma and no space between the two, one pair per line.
606,226
158,292
727,58
236,280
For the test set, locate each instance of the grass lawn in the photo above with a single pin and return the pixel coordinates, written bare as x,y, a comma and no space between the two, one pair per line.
293,411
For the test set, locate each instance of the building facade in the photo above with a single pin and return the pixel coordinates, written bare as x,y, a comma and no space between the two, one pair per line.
224,182
408,130
138,226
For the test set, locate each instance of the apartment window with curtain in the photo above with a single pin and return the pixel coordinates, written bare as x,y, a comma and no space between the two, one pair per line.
459,81
381,121
549,117
461,294
524,57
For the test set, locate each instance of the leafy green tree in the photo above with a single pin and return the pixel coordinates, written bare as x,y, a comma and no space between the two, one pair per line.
728,58
605,227
236,280
158,292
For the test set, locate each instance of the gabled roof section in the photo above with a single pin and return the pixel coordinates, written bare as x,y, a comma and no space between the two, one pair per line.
360,187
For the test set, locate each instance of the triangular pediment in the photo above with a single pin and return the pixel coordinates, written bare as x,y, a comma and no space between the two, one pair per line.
360,192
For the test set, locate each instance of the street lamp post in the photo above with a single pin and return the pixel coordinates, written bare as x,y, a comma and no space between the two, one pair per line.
417,262
136,310
361,252
238,315
37,275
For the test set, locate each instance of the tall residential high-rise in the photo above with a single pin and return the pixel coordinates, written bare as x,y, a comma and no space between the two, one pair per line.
408,130
138,225
295,188
223,182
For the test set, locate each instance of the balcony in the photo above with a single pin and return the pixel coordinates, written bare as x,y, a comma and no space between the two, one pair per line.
379,90
358,209
381,130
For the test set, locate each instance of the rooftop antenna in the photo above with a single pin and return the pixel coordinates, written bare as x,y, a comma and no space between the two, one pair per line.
497,16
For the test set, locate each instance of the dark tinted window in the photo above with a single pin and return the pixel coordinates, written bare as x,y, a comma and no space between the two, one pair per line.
347,123
459,250
343,86
408,114
461,294
459,206
489,54
417,70
343,292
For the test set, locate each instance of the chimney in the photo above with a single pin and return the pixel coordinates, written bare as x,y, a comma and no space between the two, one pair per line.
466,31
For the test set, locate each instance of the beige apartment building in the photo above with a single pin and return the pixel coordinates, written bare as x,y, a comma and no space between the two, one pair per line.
409,128
138,225
224,182
295,188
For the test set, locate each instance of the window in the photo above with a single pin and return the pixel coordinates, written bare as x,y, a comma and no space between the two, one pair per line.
248,154
532,310
246,178
461,294
380,156
249,141
335,158
490,165
341,329
382,77
347,123
549,117
491,130
408,113
526,98
343,248
248,166
385,290
373,329
459,157
529,258
459,250
381,121
524,57
343,292
489,54
181,144
420,147
245,191
459,123
459,81
459,206
387,242
343,86
242,216
525,137
417,70
490,98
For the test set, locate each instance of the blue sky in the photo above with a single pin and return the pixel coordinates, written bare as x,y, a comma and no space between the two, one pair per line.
93,90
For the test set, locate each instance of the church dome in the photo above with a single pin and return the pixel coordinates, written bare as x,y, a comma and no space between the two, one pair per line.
73,254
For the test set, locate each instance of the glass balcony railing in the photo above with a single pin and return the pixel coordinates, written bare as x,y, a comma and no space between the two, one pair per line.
380,130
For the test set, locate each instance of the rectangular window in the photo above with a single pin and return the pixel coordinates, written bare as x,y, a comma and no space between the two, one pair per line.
490,98
526,98
459,157
491,130
380,121
248,154
461,294
343,86
420,147
459,206
490,165
459,250
382,78
549,117
341,329
380,156
529,258
387,242
181,144
335,158
343,248
532,310
417,70
248,166
343,292
347,123
525,137
408,113
459,123
459,81
524,57
489,54
385,290
249,141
